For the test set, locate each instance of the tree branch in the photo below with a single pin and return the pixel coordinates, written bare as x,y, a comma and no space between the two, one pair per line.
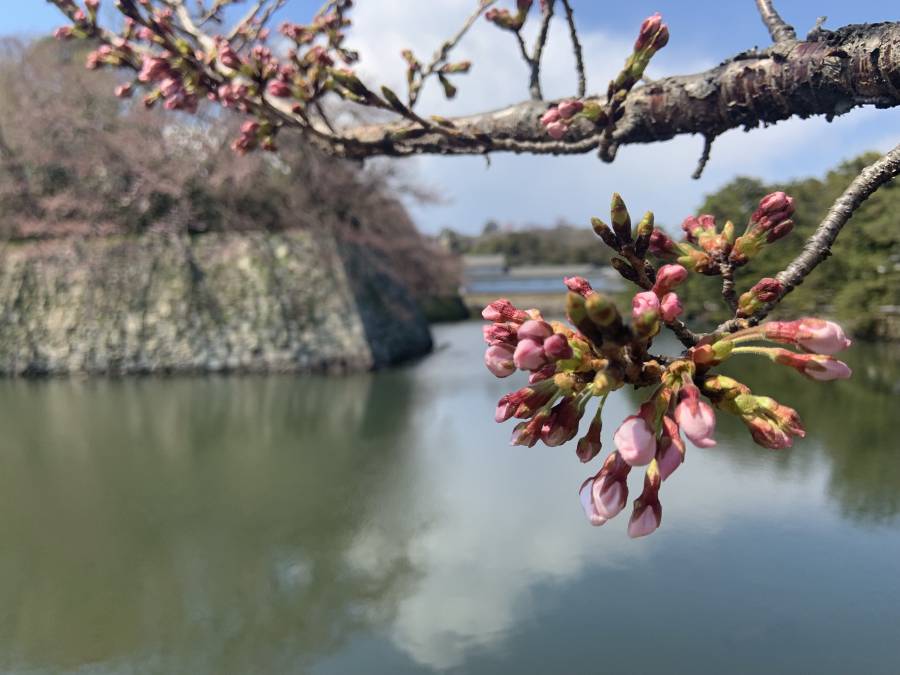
818,246
576,48
838,71
780,30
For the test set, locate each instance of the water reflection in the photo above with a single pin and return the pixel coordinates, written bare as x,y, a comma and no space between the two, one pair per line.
200,525
382,524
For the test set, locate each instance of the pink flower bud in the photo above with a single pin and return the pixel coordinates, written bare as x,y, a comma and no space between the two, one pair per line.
500,334
815,366
278,88
551,116
662,246
124,90
813,335
556,130
569,108
63,33
505,408
544,373
695,417
529,355
557,347
670,307
610,495
589,445
635,441
653,34
671,450
696,226
562,424
578,285
644,307
503,310
644,521
534,330
775,203
668,278
585,494
499,360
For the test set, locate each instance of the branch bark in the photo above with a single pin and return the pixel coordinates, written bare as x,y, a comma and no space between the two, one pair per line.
828,75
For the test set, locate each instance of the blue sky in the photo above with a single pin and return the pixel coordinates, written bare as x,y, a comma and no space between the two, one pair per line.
540,190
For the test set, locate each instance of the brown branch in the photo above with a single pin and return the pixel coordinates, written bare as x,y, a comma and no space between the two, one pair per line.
780,30
854,66
534,85
818,246
576,48
704,156
726,269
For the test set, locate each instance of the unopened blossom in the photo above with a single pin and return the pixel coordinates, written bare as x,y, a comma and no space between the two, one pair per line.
556,130
578,285
561,425
556,347
670,307
635,440
278,88
568,109
499,360
589,445
813,335
647,515
763,291
551,116
669,277
529,355
653,34
695,417
670,448
500,333
534,329
820,367
503,310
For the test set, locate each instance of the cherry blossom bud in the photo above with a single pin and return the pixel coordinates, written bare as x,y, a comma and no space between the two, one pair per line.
813,335
227,56
815,366
621,219
506,408
278,88
645,313
534,330
557,347
562,424
635,441
586,495
671,449
499,360
63,33
764,291
696,227
542,374
668,277
503,310
556,130
529,355
551,116
124,90
653,34
500,333
662,246
695,417
647,514
578,285
670,307
569,108
589,445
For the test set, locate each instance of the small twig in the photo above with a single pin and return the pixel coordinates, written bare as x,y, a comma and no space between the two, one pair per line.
704,156
818,246
440,56
576,48
726,269
780,30
534,85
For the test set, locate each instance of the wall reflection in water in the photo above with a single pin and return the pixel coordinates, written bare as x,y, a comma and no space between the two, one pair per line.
383,524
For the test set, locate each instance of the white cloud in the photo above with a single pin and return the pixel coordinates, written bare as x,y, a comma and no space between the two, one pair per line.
540,190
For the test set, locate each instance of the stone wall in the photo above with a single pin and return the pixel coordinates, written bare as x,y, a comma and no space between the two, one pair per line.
246,302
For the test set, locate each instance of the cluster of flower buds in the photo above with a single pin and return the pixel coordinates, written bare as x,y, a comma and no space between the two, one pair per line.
769,223
572,364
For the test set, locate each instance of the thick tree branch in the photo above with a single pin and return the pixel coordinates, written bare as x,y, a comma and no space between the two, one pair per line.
818,246
830,75
778,28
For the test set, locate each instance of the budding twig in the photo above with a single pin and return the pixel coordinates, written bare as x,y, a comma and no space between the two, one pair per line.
534,85
779,29
818,246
